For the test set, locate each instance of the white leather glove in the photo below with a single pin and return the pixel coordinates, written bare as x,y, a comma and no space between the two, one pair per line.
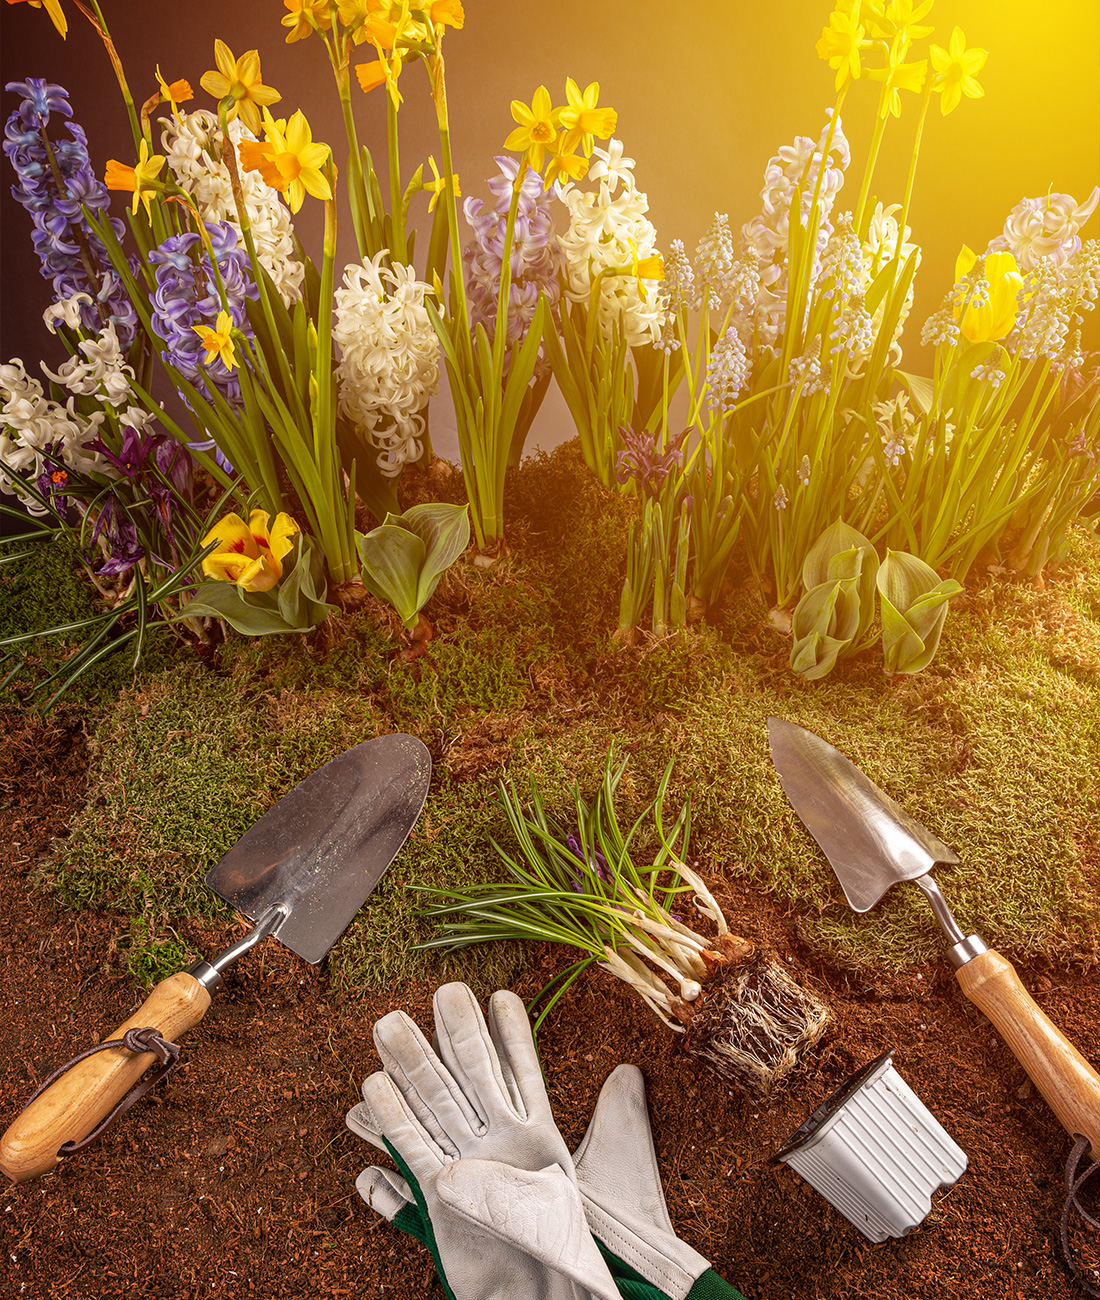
615,1164
504,1218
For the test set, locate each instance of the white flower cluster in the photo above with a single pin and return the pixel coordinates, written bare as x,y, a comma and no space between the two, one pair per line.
389,362
1054,299
1045,228
608,229
32,427
767,234
192,146
727,371
98,369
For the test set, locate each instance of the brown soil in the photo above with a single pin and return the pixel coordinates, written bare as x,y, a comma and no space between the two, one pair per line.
235,1178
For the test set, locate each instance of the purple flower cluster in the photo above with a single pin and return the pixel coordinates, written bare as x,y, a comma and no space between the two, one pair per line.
54,177
187,295
536,257
597,861
642,461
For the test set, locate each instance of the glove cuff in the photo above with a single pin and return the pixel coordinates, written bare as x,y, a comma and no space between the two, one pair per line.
709,1286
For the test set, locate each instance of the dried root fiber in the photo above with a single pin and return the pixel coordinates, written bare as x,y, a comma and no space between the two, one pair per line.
753,1023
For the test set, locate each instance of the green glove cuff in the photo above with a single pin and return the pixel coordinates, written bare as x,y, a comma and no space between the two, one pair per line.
414,1220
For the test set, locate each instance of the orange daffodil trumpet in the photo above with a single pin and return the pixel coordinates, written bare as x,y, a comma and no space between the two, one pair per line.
142,178
249,555
53,8
239,84
985,320
289,159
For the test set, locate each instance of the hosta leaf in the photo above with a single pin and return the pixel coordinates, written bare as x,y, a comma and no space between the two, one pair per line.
842,552
822,625
914,603
392,560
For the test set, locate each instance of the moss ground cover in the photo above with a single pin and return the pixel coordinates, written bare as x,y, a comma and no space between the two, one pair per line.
996,748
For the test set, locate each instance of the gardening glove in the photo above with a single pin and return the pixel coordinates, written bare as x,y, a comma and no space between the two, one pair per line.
625,1206
496,1230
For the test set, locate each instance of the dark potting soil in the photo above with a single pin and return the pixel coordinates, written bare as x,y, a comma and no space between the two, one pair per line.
236,1176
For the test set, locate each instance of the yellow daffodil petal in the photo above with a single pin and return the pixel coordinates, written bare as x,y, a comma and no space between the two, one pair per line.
449,12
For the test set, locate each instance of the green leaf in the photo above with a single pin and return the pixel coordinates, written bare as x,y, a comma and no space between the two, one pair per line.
842,552
914,603
360,462
919,387
392,560
296,603
445,531
824,622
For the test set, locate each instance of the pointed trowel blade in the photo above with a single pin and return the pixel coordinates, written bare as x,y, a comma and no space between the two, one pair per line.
870,841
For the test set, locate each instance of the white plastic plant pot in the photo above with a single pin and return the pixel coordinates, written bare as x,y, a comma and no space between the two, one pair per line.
875,1152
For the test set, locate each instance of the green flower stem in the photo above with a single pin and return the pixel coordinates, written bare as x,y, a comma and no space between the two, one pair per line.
872,159
100,24
926,101
339,57
398,245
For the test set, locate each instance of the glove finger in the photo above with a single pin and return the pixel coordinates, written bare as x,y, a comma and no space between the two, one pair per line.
510,1029
391,1119
617,1153
428,1086
360,1119
466,1048
384,1191
537,1214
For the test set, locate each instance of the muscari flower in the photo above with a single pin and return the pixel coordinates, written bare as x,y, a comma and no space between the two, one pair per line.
249,555
240,82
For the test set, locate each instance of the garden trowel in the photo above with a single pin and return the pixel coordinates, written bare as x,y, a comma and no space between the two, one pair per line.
300,873
872,843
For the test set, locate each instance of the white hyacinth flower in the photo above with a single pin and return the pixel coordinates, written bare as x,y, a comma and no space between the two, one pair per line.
389,362
192,146
1045,228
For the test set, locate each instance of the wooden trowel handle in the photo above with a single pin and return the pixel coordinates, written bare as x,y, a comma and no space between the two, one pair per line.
70,1108
1068,1082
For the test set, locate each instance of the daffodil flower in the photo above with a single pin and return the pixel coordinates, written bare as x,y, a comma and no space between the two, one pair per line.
447,12
53,8
582,120
142,179
239,82
957,70
565,163
840,42
536,132
898,76
305,16
218,341
290,161
437,186
249,555
996,317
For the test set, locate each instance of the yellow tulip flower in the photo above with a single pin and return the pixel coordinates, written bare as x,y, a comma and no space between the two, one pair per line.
536,131
239,80
957,70
289,160
218,341
249,555
997,317
142,179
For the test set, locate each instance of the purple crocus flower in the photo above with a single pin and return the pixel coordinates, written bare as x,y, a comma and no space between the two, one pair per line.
54,179
121,536
53,482
596,861
642,461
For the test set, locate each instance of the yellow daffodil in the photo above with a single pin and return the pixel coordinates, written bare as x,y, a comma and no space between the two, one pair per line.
289,159
438,186
218,341
898,76
449,12
249,555
957,71
581,119
997,316
53,8
840,43
179,92
142,179
372,75
645,268
565,163
304,17
239,80
536,132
